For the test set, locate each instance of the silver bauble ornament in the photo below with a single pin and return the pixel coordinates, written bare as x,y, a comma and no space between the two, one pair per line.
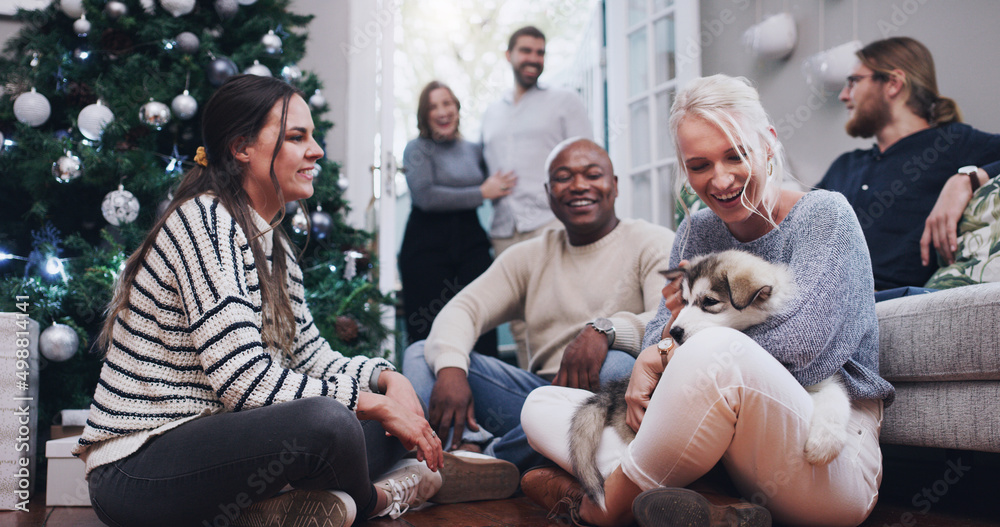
67,168
291,74
120,206
81,27
149,6
32,108
58,342
258,69
221,69
246,2
115,9
271,42
1,142
342,182
184,106
317,100
300,224
178,7
322,223
154,114
92,120
226,8
72,8
187,42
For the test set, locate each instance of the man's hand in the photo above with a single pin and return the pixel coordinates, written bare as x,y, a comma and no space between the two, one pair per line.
582,360
941,227
451,404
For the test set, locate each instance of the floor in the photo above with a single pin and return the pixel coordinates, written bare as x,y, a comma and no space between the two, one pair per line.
921,487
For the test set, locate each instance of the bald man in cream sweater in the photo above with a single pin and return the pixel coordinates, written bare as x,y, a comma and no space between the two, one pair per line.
586,292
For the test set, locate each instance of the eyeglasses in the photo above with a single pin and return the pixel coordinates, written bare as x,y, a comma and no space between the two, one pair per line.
854,79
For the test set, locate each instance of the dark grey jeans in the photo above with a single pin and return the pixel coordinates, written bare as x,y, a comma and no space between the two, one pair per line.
204,472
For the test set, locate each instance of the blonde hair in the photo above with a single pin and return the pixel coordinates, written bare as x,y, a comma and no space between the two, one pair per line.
733,105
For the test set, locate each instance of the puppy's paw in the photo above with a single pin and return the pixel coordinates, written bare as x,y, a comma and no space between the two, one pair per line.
824,444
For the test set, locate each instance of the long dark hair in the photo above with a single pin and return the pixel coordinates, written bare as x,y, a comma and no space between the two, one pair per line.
915,60
232,119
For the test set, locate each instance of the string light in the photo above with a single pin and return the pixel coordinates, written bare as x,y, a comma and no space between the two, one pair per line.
54,267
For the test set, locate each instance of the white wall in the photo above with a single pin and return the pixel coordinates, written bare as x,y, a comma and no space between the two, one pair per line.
958,34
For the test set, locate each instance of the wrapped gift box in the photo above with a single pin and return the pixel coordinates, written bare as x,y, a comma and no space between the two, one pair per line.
65,484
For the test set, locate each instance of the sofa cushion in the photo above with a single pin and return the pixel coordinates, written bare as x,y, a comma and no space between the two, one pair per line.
977,258
949,335
959,415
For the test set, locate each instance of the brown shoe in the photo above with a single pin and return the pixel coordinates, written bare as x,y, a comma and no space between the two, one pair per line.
555,490
469,476
669,507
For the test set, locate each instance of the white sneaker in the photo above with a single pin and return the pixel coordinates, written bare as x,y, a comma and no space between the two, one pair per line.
469,476
320,508
409,483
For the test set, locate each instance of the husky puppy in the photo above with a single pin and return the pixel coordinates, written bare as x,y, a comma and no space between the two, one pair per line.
731,289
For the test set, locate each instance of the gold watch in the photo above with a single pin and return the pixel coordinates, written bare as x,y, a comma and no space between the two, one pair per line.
665,346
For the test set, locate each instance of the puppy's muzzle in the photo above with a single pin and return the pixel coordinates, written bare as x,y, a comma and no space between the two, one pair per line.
678,334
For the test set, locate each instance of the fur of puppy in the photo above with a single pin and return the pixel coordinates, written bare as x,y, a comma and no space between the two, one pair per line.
731,289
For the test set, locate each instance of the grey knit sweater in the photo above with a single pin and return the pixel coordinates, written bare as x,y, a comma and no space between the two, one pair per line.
444,176
831,324
189,344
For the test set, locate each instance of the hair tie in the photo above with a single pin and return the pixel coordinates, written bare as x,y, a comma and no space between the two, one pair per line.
200,157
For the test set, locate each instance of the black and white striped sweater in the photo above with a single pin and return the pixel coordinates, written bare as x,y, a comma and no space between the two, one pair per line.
190,343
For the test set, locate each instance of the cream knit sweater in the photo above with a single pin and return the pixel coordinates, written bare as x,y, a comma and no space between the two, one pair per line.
190,344
556,288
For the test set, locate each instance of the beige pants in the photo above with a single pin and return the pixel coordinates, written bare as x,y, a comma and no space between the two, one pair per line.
518,328
724,398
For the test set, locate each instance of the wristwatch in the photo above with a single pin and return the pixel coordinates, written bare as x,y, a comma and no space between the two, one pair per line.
664,346
605,326
973,172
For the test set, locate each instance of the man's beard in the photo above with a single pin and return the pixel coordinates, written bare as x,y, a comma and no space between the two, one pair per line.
526,82
869,118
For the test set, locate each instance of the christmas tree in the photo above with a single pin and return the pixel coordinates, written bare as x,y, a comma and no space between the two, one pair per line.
98,119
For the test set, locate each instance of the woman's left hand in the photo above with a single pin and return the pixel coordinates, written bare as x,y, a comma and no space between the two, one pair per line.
645,376
398,388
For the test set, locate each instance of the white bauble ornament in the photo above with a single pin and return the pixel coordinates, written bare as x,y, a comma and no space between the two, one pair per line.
149,6
300,224
343,182
115,9
291,74
271,42
81,26
72,8
184,106
258,69
246,2
226,8
58,342
120,206
188,42
178,7
67,168
317,100
93,119
1,142
154,114
32,108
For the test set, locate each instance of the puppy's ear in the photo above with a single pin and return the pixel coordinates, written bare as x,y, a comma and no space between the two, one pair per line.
675,273
743,292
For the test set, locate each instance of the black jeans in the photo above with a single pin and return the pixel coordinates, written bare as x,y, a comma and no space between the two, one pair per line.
204,472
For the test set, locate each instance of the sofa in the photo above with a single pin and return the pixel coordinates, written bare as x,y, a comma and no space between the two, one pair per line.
942,353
